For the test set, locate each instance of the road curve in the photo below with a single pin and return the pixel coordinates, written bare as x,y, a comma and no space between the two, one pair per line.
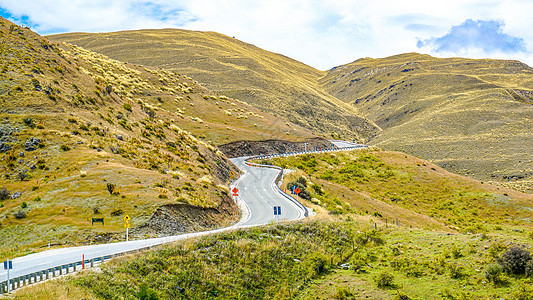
258,194
257,197
257,187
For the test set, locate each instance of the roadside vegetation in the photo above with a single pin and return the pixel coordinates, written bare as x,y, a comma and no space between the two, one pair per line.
83,136
353,248
339,258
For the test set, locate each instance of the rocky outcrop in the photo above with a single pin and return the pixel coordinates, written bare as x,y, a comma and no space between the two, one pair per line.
172,219
247,148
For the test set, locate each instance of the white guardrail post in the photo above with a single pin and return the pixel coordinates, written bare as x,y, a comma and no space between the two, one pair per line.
48,273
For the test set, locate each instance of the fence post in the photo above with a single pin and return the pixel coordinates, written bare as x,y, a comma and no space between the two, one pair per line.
60,270
74,264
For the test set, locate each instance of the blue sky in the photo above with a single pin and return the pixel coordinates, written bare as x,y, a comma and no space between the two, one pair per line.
322,34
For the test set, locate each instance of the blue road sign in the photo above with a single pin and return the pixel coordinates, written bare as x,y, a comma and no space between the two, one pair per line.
8,264
277,210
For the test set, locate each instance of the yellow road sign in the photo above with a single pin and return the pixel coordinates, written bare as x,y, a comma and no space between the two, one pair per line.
127,218
126,225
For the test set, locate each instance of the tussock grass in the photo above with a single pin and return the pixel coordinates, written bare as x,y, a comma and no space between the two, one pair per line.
469,116
393,185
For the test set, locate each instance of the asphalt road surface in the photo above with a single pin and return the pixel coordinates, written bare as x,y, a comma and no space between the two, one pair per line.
257,197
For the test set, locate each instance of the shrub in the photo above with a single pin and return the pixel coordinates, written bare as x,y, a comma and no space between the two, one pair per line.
515,260
456,253
146,293
19,214
112,189
317,264
127,106
29,122
384,279
117,212
370,237
64,148
302,181
24,204
342,293
456,271
493,272
4,194
37,199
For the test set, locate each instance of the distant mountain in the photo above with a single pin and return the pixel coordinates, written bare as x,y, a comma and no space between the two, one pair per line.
471,116
269,81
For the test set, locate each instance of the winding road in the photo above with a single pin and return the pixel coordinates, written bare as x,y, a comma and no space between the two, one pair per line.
258,194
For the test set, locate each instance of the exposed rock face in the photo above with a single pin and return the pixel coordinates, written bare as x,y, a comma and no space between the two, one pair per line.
247,148
31,144
179,218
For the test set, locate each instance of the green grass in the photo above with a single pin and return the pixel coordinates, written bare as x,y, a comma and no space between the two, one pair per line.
392,185
302,261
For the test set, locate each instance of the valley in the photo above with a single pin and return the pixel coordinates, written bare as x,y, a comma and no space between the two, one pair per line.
156,125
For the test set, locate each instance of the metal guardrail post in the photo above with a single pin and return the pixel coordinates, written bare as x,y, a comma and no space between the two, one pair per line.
92,262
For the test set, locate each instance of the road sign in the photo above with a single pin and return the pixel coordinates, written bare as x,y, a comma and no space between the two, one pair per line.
277,210
232,174
297,191
126,225
8,264
127,218
235,191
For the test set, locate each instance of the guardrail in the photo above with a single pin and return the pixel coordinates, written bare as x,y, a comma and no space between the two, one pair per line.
48,273
280,174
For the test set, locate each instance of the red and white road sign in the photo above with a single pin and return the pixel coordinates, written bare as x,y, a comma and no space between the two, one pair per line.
235,191
297,191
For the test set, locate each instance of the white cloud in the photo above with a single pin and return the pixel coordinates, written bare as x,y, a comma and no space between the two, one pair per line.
320,33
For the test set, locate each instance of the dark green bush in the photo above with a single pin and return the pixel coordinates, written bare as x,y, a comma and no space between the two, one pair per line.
384,280
4,194
515,260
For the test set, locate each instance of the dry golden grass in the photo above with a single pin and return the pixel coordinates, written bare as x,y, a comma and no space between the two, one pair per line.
391,186
79,103
267,80
472,117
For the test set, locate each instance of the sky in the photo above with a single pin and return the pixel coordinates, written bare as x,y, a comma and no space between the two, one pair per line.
320,33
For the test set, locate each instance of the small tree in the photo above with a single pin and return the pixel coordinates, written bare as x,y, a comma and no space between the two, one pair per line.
515,260
4,194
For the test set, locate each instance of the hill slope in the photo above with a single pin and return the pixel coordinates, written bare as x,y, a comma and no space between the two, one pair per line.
469,116
266,80
83,136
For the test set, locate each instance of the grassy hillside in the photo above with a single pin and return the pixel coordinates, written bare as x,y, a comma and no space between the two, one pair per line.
268,81
84,136
468,116
347,250
400,188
